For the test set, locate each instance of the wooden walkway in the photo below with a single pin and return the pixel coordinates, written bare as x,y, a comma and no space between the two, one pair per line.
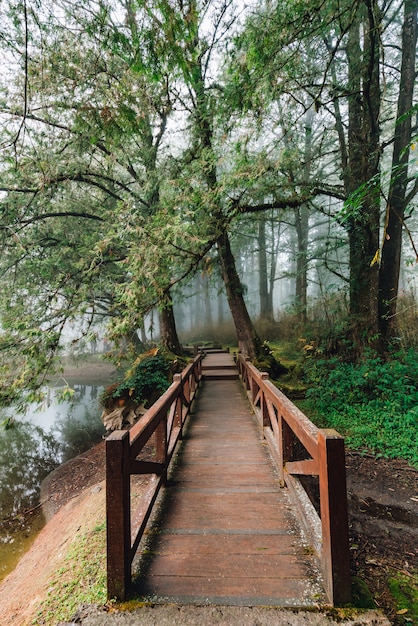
226,533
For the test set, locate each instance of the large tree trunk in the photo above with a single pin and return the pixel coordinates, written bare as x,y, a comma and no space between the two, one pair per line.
207,302
301,287
202,139
266,299
248,340
363,165
302,229
392,242
168,331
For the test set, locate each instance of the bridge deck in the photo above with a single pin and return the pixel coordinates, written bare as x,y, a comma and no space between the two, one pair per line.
227,533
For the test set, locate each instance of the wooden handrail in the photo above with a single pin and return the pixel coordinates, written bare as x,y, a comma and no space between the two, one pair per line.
286,429
165,418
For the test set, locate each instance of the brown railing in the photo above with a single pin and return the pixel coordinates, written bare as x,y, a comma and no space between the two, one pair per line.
302,451
164,422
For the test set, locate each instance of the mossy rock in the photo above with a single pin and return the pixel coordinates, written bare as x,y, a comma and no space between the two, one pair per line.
362,598
267,362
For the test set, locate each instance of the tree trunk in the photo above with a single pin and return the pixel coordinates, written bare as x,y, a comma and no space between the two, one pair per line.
220,308
168,331
302,229
248,340
202,140
266,300
392,242
363,155
301,287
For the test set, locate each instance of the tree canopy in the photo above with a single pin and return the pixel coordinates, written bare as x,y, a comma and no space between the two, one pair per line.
137,136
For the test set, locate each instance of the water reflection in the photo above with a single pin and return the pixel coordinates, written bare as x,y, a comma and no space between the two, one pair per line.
27,455
77,423
45,437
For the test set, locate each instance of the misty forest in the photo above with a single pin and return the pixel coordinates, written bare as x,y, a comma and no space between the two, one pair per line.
176,173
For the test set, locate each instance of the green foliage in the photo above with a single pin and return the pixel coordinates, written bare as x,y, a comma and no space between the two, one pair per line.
148,379
267,362
374,403
405,593
352,209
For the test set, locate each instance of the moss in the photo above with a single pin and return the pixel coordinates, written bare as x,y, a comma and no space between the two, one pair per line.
267,362
361,596
81,579
404,590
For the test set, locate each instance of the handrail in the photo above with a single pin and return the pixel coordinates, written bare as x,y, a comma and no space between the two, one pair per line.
165,418
291,435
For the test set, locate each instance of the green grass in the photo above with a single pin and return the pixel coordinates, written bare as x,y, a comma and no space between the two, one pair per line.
81,580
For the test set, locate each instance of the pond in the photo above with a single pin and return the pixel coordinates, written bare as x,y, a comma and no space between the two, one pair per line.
36,444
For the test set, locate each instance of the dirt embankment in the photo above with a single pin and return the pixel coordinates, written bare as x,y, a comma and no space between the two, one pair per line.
27,586
383,508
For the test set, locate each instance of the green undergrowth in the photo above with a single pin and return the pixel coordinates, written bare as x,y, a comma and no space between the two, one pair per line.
404,590
146,379
373,404
80,580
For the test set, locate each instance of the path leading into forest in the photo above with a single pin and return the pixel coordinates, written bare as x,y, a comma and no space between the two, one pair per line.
227,533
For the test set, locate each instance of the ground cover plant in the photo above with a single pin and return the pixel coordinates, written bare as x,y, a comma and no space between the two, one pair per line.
372,403
81,580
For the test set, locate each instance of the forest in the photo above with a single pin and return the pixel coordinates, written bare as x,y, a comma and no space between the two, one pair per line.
240,171
170,167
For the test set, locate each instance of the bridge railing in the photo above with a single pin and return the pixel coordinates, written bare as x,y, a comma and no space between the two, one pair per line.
163,422
302,451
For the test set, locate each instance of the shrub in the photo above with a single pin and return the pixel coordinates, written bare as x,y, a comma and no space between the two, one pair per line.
148,379
374,404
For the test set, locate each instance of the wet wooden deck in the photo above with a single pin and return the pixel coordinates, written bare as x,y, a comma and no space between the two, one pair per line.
227,533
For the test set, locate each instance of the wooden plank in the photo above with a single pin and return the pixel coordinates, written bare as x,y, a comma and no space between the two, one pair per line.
250,566
232,591
227,532
211,544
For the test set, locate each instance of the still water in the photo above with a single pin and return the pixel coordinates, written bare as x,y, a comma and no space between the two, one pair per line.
39,441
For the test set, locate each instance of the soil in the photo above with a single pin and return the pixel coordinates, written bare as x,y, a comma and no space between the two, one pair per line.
383,519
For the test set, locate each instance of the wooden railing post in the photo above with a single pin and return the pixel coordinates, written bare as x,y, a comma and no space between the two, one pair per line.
178,416
285,445
161,446
263,404
118,515
334,517
247,381
186,391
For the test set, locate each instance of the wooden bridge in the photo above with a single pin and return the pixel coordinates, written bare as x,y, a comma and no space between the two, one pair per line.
254,511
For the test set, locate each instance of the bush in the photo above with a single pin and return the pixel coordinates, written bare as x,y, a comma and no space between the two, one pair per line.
145,382
373,404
